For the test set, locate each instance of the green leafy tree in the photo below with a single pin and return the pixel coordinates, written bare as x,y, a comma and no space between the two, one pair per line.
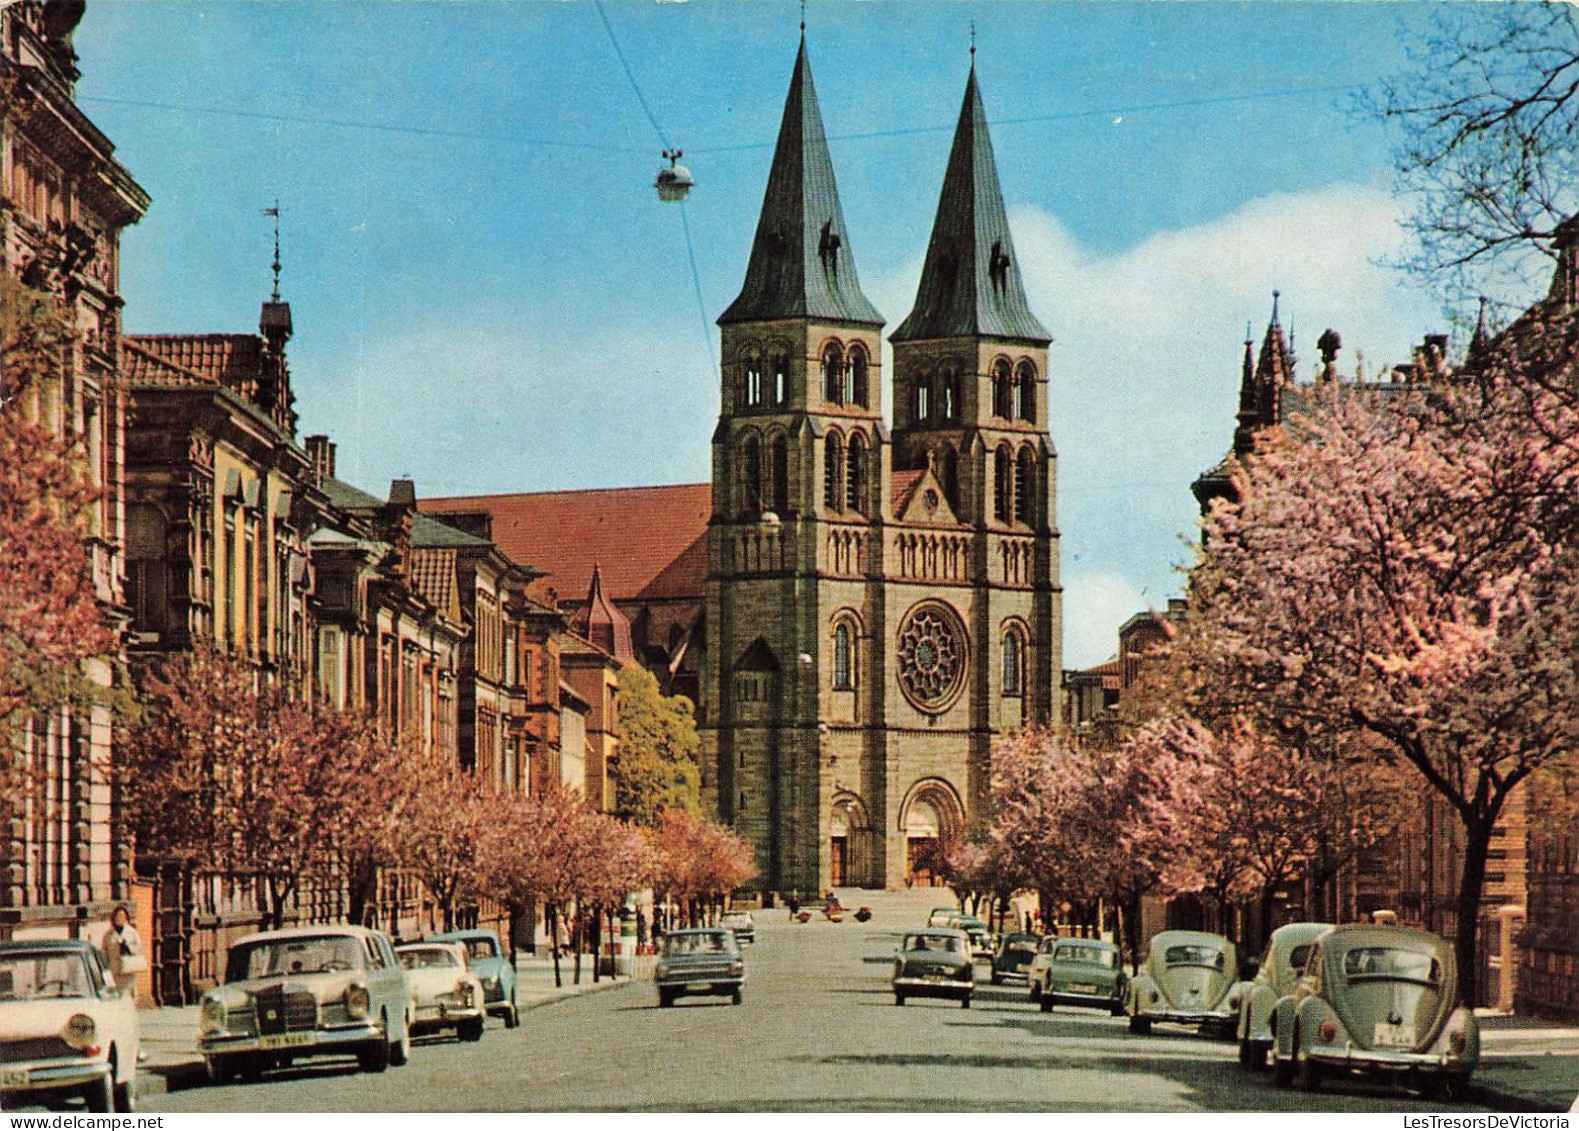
659,751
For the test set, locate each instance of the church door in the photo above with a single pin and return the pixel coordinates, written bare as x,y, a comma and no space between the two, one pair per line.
839,865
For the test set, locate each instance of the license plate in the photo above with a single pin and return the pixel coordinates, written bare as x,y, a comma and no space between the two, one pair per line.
1082,988
695,986
1393,1036
285,1040
937,978
13,1077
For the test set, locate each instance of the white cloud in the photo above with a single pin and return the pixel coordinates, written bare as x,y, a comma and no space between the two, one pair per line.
1095,604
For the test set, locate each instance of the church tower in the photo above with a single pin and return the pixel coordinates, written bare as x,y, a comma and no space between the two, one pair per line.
800,461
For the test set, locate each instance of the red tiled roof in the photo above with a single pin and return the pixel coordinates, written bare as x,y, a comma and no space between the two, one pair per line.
650,541
433,576
904,486
224,359
143,366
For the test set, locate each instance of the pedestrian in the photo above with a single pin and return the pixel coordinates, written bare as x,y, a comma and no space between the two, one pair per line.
122,948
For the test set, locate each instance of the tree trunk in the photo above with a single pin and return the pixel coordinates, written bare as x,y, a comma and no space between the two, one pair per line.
597,944
575,947
552,912
1477,845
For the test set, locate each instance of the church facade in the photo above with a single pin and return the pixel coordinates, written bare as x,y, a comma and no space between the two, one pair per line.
879,604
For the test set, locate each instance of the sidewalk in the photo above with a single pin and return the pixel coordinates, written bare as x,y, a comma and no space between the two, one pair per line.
1526,1064
169,1035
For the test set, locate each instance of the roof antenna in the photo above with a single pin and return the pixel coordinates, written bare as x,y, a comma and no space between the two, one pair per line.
275,212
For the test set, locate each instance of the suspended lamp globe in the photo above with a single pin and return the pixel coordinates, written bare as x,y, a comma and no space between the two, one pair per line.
674,183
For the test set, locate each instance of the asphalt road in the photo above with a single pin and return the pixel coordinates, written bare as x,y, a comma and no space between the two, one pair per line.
818,1031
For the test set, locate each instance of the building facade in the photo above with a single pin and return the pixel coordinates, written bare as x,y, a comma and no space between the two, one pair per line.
64,200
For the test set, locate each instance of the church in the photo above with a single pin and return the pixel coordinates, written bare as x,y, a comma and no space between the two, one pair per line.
856,609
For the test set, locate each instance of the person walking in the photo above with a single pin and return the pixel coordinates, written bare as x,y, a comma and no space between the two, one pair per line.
122,948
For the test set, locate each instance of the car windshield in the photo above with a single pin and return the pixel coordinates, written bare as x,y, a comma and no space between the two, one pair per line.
481,948
1193,954
711,942
1299,956
1084,952
30,977
943,944
1020,942
1392,963
428,958
271,957
735,918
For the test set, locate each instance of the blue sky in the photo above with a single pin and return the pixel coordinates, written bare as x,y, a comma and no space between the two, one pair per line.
488,296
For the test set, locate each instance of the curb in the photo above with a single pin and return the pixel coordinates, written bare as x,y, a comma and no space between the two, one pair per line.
1500,1099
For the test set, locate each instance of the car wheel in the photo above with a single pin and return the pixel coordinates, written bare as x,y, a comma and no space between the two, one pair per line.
249,1069
1139,1024
1116,1009
899,999
1047,1004
1246,1050
221,1069
964,1002
400,1051
99,1095
997,978
1309,1074
1036,992
665,999
512,1017
374,1055
126,1096
470,1030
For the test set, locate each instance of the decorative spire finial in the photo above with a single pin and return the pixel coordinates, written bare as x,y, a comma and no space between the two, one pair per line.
973,44
1275,296
275,212
803,20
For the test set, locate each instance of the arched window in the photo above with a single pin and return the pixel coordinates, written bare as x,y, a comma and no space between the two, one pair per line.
833,374
1001,391
751,473
948,475
833,472
843,657
1024,487
923,400
753,382
1025,389
780,471
1013,663
855,474
950,405
780,379
855,377
1002,483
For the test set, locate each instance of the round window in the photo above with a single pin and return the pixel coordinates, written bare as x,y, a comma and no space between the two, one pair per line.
932,656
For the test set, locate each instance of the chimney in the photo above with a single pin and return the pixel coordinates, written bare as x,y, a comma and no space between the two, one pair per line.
402,493
320,450
1328,346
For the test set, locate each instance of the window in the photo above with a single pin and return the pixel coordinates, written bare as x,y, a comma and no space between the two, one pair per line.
855,377
1013,663
948,475
855,476
751,473
923,399
843,668
833,374
780,472
780,379
753,382
229,627
1024,487
1001,394
1025,392
1002,485
833,472
950,405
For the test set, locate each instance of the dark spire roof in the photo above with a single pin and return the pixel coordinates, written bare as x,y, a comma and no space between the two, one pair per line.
602,622
801,261
1261,388
971,281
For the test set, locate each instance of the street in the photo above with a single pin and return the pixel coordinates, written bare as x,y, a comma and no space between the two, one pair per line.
818,1031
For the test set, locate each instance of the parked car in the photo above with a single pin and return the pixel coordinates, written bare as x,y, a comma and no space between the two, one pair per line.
1083,972
1012,958
445,992
700,961
980,936
64,1028
740,922
1036,973
939,916
1379,1000
934,962
307,991
492,964
1188,977
1276,975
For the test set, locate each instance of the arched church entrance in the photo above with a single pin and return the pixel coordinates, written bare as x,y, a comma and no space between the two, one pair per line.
850,836
931,817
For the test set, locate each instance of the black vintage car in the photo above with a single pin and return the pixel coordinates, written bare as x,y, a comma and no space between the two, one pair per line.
702,961
934,962
1012,958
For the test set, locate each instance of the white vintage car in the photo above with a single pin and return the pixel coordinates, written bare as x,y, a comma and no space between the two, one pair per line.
1276,976
445,993
64,1029
308,991
1188,978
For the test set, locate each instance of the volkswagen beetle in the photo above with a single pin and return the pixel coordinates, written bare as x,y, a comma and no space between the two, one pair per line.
445,992
64,1029
308,991
1280,969
1188,978
491,963
934,962
1380,1000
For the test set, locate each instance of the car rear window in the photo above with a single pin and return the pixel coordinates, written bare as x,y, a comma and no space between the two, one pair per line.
695,944
427,959
1193,954
943,944
1391,963
1299,956
1080,952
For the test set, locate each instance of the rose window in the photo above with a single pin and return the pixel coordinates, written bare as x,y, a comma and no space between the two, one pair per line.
932,656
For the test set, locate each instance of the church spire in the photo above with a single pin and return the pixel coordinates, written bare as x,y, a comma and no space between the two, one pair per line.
801,263
971,282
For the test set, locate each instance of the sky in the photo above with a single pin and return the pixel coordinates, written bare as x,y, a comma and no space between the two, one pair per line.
488,296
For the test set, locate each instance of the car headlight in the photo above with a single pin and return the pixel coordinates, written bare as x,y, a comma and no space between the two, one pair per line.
663,969
211,1019
1458,1040
737,967
357,1001
81,1034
